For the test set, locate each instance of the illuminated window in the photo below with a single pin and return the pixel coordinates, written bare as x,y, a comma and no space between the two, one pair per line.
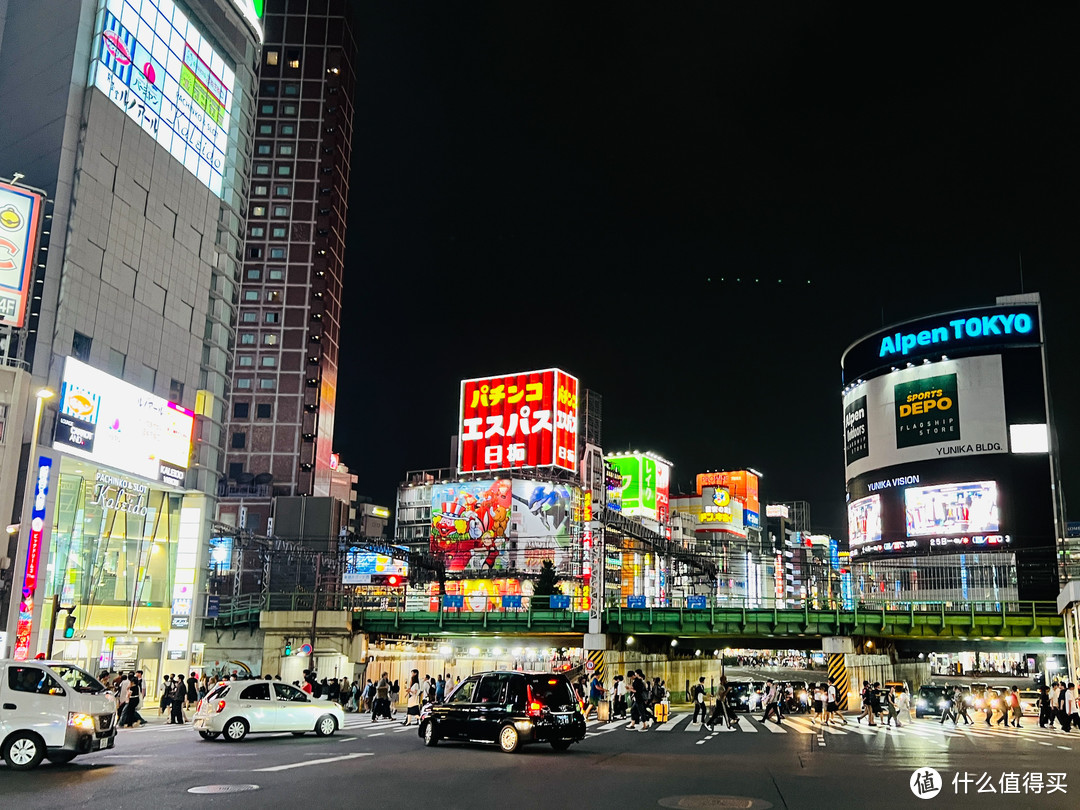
282,191
277,253
268,89
271,57
288,129
262,168
262,149
276,274
258,210
250,317
266,109
254,274
293,58
258,231
281,210
270,340
274,296
292,88
278,233
251,295
247,339
266,129
284,171
273,317
268,362
288,109
260,191
285,149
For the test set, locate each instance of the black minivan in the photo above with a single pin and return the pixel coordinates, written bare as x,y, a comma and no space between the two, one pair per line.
507,708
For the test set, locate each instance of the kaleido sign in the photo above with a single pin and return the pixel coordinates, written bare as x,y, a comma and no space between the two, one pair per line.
115,494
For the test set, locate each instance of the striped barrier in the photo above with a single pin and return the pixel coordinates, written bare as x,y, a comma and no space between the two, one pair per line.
839,675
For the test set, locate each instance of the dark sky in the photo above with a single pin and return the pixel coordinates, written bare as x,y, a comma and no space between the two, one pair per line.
694,207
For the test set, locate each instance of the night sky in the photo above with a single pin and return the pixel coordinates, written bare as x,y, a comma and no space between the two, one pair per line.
694,207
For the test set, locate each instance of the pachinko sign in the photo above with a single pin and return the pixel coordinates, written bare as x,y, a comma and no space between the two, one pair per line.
519,420
33,560
470,524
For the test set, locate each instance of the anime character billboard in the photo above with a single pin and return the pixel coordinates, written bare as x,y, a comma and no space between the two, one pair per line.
470,524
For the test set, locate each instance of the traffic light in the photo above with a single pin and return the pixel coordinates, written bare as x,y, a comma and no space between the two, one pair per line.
69,625
288,646
393,580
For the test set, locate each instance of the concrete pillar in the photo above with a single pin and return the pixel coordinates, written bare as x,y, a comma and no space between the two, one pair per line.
836,649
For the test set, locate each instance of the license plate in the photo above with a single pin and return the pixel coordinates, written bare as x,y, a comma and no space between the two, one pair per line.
562,719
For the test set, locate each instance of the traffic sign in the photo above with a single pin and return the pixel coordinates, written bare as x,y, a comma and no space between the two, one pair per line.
590,666
305,649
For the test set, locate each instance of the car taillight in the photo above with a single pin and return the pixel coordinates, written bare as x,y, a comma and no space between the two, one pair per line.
220,707
535,707
198,708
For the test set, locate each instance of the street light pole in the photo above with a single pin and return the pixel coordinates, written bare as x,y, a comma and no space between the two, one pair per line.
41,395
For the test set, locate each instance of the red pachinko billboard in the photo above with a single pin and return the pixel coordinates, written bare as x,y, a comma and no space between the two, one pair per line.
519,420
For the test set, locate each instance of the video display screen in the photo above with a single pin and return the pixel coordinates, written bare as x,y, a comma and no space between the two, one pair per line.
967,508
864,521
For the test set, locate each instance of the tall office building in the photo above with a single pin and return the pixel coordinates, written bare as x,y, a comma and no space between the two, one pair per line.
133,119
281,418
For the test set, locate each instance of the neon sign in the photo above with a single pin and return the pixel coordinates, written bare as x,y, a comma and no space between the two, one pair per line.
985,326
33,559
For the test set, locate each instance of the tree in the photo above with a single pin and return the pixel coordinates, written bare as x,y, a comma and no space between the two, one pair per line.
547,581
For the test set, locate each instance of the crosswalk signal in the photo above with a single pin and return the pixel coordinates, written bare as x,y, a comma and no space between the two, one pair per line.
288,647
69,625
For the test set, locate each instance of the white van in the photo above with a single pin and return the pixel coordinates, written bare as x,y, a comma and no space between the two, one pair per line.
52,710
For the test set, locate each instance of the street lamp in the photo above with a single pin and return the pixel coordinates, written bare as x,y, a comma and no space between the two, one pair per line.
41,395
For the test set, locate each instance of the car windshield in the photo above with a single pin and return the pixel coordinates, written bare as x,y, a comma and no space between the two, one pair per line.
218,691
932,692
554,693
78,679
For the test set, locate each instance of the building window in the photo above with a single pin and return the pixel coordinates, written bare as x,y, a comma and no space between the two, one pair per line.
239,439
176,391
243,383
254,274
277,253
266,129
245,361
264,411
258,210
117,361
247,338
285,149
240,410
80,346
262,169
268,362
267,383
282,191
256,231
276,274
274,296
288,109
262,149
284,171
273,317
266,109
278,233
292,56
250,317
271,57
260,191
268,89
288,129
281,210
255,253
251,295
147,378
270,340
292,88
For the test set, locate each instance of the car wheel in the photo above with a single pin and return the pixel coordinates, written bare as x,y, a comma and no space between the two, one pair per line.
560,745
326,726
209,735
236,729
60,757
24,751
430,737
509,739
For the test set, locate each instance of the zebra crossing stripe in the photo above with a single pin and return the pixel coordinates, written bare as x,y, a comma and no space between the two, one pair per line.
673,721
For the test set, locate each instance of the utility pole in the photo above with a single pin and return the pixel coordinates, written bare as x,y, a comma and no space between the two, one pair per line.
315,608
52,625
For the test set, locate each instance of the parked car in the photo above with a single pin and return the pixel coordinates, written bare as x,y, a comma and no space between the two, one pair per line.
52,710
238,708
510,709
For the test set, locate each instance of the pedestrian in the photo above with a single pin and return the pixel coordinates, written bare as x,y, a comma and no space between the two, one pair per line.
440,689
903,705
1045,716
123,694
1014,708
1072,707
720,708
960,707
177,696
163,701
831,704
413,699
638,711
192,689
395,696
380,705
772,702
698,697
867,708
135,696
368,694
596,693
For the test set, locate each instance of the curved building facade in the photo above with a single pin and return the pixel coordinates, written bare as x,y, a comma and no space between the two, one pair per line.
949,459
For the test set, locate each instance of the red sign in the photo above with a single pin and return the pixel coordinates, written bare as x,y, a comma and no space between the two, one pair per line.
20,224
742,484
518,420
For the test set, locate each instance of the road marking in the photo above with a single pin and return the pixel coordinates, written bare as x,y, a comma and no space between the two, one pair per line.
346,739
616,724
407,728
692,726
672,721
800,727
774,728
1046,743
1064,748
378,734
312,762
749,727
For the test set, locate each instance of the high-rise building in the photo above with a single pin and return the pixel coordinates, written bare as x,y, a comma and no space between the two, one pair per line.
281,419
134,121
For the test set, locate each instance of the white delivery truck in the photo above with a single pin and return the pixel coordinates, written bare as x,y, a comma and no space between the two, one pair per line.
52,710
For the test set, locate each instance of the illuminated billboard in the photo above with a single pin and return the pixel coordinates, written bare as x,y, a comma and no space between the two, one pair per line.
159,68
638,484
20,225
115,424
930,411
517,421
361,566
663,491
743,485
864,521
542,525
970,508
470,524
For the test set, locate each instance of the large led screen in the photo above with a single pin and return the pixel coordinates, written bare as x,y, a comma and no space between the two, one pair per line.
470,524
541,525
970,508
935,410
864,521
156,65
115,424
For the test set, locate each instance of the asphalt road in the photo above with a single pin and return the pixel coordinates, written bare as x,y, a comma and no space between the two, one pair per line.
790,766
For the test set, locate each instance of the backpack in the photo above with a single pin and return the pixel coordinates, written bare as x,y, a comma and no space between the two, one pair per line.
699,693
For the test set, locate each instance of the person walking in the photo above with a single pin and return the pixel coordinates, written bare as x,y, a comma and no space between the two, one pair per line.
413,699
903,705
596,694
123,695
697,695
192,690
395,696
177,697
865,695
380,705
135,696
1045,716
831,710
949,712
960,706
720,708
639,711
440,689
1015,710
890,707
772,702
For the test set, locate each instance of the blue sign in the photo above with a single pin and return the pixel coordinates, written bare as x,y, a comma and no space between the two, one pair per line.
560,602
958,329
511,601
635,602
751,519
213,606
453,601
695,602
1072,528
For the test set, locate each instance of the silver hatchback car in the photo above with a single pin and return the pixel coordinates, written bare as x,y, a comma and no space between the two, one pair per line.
234,709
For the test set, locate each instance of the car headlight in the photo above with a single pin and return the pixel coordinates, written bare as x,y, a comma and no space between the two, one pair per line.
942,704
79,720
922,702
